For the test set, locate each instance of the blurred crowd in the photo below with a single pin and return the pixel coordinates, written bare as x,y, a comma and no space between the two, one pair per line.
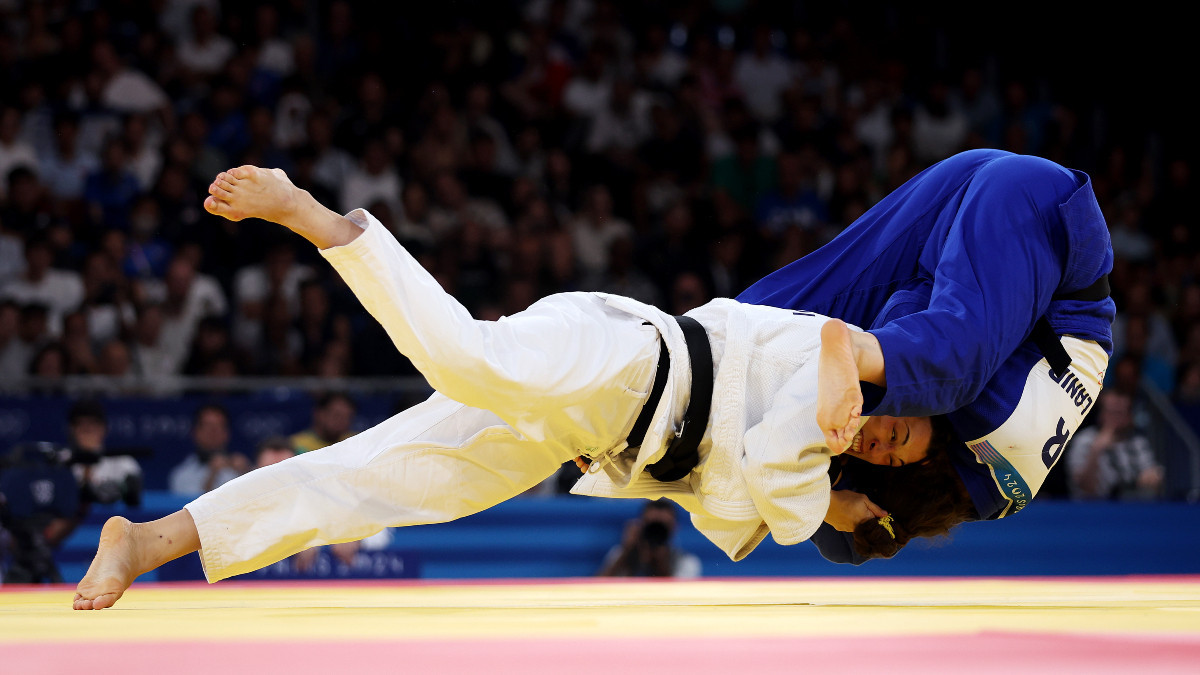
668,150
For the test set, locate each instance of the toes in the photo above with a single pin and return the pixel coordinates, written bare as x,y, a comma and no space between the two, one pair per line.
81,602
106,600
218,207
240,173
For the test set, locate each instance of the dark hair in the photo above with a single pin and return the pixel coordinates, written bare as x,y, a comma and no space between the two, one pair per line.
86,409
209,407
273,443
924,499
325,400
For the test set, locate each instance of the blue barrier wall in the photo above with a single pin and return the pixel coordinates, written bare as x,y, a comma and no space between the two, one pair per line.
569,536
162,426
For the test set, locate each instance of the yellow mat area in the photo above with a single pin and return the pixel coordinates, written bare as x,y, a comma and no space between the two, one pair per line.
235,611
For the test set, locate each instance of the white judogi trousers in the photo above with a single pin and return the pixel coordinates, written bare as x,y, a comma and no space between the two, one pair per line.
517,398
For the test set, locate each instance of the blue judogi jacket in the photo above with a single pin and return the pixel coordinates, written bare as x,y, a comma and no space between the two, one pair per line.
950,272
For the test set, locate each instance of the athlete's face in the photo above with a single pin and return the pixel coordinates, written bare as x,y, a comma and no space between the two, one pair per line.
892,441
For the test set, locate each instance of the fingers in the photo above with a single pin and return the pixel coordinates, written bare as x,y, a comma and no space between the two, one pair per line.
874,509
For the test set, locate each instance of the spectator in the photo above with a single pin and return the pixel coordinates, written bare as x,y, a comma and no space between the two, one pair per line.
153,358
188,297
318,327
211,344
27,211
253,286
647,549
105,298
622,277
124,89
272,450
333,165
12,254
939,130
763,75
59,291
31,336
65,170
794,202
587,92
1113,459
211,464
111,190
205,51
142,149
146,253
332,418
747,174
595,230
14,152
374,179
10,323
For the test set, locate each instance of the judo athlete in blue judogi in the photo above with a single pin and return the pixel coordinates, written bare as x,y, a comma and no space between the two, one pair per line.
971,275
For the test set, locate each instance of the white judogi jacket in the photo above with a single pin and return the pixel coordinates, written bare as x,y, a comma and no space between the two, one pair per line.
763,461
518,397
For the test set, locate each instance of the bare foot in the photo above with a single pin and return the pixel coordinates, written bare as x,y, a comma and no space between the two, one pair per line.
114,568
251,192
839,398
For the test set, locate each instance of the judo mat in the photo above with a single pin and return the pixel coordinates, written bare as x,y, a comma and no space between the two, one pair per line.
871,625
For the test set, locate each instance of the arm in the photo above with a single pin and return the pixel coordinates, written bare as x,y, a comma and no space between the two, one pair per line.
996,272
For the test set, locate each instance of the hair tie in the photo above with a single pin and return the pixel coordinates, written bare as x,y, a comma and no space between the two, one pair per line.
886,523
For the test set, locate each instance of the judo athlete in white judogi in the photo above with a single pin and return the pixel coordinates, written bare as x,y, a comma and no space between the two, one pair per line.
518,397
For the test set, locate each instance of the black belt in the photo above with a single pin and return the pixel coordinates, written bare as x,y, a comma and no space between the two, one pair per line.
683,452
1047,340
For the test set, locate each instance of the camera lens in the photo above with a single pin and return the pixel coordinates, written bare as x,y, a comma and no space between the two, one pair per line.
655,534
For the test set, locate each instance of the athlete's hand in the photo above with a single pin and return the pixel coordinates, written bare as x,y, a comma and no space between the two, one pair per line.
847,509
839,398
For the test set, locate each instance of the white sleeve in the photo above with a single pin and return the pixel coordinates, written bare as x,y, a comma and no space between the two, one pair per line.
786,464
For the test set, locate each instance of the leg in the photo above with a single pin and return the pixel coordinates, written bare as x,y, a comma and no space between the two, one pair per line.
130,549
535,369
435,462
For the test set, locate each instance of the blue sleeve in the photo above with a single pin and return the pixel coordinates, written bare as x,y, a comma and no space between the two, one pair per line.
993,277
836,546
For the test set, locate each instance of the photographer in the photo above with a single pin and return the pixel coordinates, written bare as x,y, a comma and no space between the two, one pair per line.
39,501
104,476
646,549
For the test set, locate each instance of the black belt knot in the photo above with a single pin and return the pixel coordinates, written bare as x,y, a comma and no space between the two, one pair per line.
683,452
